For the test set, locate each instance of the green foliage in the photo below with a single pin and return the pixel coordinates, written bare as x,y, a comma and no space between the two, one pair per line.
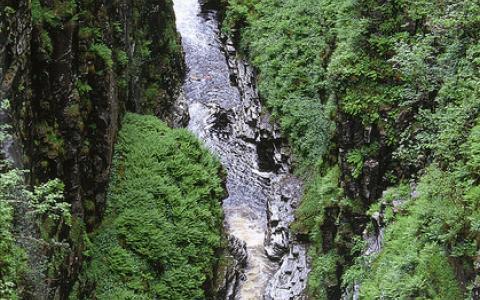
83,87
53,13
320,193
48,204
406,72
104,52
472,151
407,270
163,220
5,128
144,50
86,32
41,14
237,14
152,93
355,159
323,274
399,194
46,42
45,204
431,231
316,211
289,45
12,257
439,69
357,156
122,58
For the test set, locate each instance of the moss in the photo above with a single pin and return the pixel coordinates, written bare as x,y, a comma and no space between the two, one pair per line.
89,33
73,111
44,163
122,58
89,204
50,143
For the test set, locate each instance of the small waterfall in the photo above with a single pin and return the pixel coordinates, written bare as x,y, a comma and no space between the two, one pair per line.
225,112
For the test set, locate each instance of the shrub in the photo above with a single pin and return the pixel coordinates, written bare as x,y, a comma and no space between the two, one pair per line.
163,219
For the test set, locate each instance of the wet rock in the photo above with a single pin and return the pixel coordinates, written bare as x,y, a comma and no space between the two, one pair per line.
280,216
238,249
178,115
220,123
234,273
277,239
290,280
273,155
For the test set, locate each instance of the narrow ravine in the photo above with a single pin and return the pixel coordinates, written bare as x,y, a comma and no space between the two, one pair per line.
225,113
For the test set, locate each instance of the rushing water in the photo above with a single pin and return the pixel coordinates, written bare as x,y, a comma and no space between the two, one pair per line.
228,119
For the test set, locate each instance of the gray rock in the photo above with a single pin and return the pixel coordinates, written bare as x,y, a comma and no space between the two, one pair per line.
290,280
178,116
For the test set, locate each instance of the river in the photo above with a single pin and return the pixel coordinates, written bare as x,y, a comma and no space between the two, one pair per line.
225,112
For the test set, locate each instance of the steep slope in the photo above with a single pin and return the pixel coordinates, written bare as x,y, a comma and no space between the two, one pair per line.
376,95
69,70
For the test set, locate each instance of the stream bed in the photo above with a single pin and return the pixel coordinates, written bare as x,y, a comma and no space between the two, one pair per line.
225,112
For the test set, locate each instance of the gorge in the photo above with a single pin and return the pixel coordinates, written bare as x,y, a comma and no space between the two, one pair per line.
239,149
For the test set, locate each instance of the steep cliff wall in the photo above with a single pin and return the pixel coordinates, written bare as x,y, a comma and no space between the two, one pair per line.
70,69
380,101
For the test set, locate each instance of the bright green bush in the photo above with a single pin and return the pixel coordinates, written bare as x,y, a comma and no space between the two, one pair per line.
163,219
400,81
321,193
424,238
407,270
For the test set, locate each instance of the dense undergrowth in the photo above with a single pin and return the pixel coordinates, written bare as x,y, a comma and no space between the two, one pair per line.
12,259
375,95
162,226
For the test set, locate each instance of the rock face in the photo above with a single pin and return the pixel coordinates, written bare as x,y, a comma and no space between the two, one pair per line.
70,71
290,280
273,154
235,272
15,36
369,184
374,237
